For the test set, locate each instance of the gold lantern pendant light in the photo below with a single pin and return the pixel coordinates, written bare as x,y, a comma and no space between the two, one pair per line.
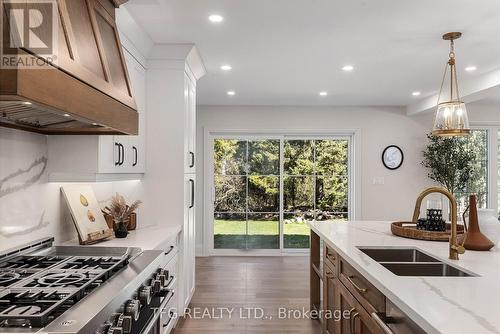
451,116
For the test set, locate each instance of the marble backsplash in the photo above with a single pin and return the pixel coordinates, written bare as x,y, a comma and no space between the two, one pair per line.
30,206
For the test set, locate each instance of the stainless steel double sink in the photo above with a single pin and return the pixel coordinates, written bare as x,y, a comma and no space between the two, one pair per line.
412,262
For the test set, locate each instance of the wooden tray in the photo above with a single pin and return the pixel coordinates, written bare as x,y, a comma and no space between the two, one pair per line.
409,230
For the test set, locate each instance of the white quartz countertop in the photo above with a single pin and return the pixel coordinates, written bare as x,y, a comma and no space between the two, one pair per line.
145,238
437,304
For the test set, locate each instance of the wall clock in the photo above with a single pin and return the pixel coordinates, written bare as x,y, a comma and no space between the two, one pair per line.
392,157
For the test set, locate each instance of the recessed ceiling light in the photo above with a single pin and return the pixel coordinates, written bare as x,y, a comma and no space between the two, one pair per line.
215,18
471,68
348,68
416,93
323,93
231,93
226,67
66,115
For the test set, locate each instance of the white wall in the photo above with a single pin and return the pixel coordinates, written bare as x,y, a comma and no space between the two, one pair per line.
484,113
377,127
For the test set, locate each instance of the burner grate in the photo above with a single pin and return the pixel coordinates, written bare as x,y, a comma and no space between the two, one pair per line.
67,279
33,307
91,263
32,262
9,277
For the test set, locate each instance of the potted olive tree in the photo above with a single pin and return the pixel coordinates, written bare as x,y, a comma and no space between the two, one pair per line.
451,162
455,162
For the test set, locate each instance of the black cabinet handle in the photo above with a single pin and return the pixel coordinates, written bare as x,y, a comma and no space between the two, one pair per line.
192,159
171,249
171,315
117,163
192,193
123,154
135,156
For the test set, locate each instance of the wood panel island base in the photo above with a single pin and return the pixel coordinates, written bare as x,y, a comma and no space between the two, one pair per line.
355,293
347,302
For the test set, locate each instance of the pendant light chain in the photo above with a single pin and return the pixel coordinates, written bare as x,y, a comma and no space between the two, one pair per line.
451,62
442,83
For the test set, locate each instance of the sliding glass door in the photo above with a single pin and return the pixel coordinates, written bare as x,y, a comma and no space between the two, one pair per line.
266,189
247,201
315,186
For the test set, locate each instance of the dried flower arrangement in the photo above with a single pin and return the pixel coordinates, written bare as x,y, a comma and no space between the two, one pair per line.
120,210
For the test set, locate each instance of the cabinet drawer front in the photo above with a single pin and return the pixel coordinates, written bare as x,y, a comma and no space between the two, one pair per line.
329,304
330,257
360,320
371,299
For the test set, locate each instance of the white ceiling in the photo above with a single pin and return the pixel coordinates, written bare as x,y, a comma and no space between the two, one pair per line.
284,52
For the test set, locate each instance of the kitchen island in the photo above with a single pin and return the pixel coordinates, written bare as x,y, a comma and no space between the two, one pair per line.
435,304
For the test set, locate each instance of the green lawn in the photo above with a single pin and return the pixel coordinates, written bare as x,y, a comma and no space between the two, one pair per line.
261,235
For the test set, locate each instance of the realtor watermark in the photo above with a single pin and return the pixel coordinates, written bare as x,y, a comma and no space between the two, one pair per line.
30,31
258,313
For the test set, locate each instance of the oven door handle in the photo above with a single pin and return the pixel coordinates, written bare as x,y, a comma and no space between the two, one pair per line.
155,318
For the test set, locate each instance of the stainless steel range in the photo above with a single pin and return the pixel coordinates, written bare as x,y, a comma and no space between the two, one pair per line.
49,289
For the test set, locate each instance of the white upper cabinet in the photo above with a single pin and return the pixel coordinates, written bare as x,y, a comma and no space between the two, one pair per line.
189,124
128,152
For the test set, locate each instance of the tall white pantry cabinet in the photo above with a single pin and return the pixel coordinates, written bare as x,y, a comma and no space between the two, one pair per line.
170,182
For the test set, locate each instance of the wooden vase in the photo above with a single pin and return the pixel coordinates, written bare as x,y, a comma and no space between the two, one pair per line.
474,239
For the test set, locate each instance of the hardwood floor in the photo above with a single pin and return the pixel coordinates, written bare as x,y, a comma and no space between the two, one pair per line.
259,284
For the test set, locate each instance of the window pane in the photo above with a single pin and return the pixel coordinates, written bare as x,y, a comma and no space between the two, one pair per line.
298,194
230,231
229,157
263,231
478,143
296,231
264,157
331,157
299,157
230,193
331,196
263,193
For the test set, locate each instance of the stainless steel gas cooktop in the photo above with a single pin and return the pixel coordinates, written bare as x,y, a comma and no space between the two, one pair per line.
50,289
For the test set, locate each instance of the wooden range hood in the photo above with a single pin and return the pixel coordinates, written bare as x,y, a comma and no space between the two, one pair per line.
86,90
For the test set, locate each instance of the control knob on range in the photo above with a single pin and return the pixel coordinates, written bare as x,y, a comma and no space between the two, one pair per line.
145,295
163,272
115,330
132,308
125,322
156,285
163,279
